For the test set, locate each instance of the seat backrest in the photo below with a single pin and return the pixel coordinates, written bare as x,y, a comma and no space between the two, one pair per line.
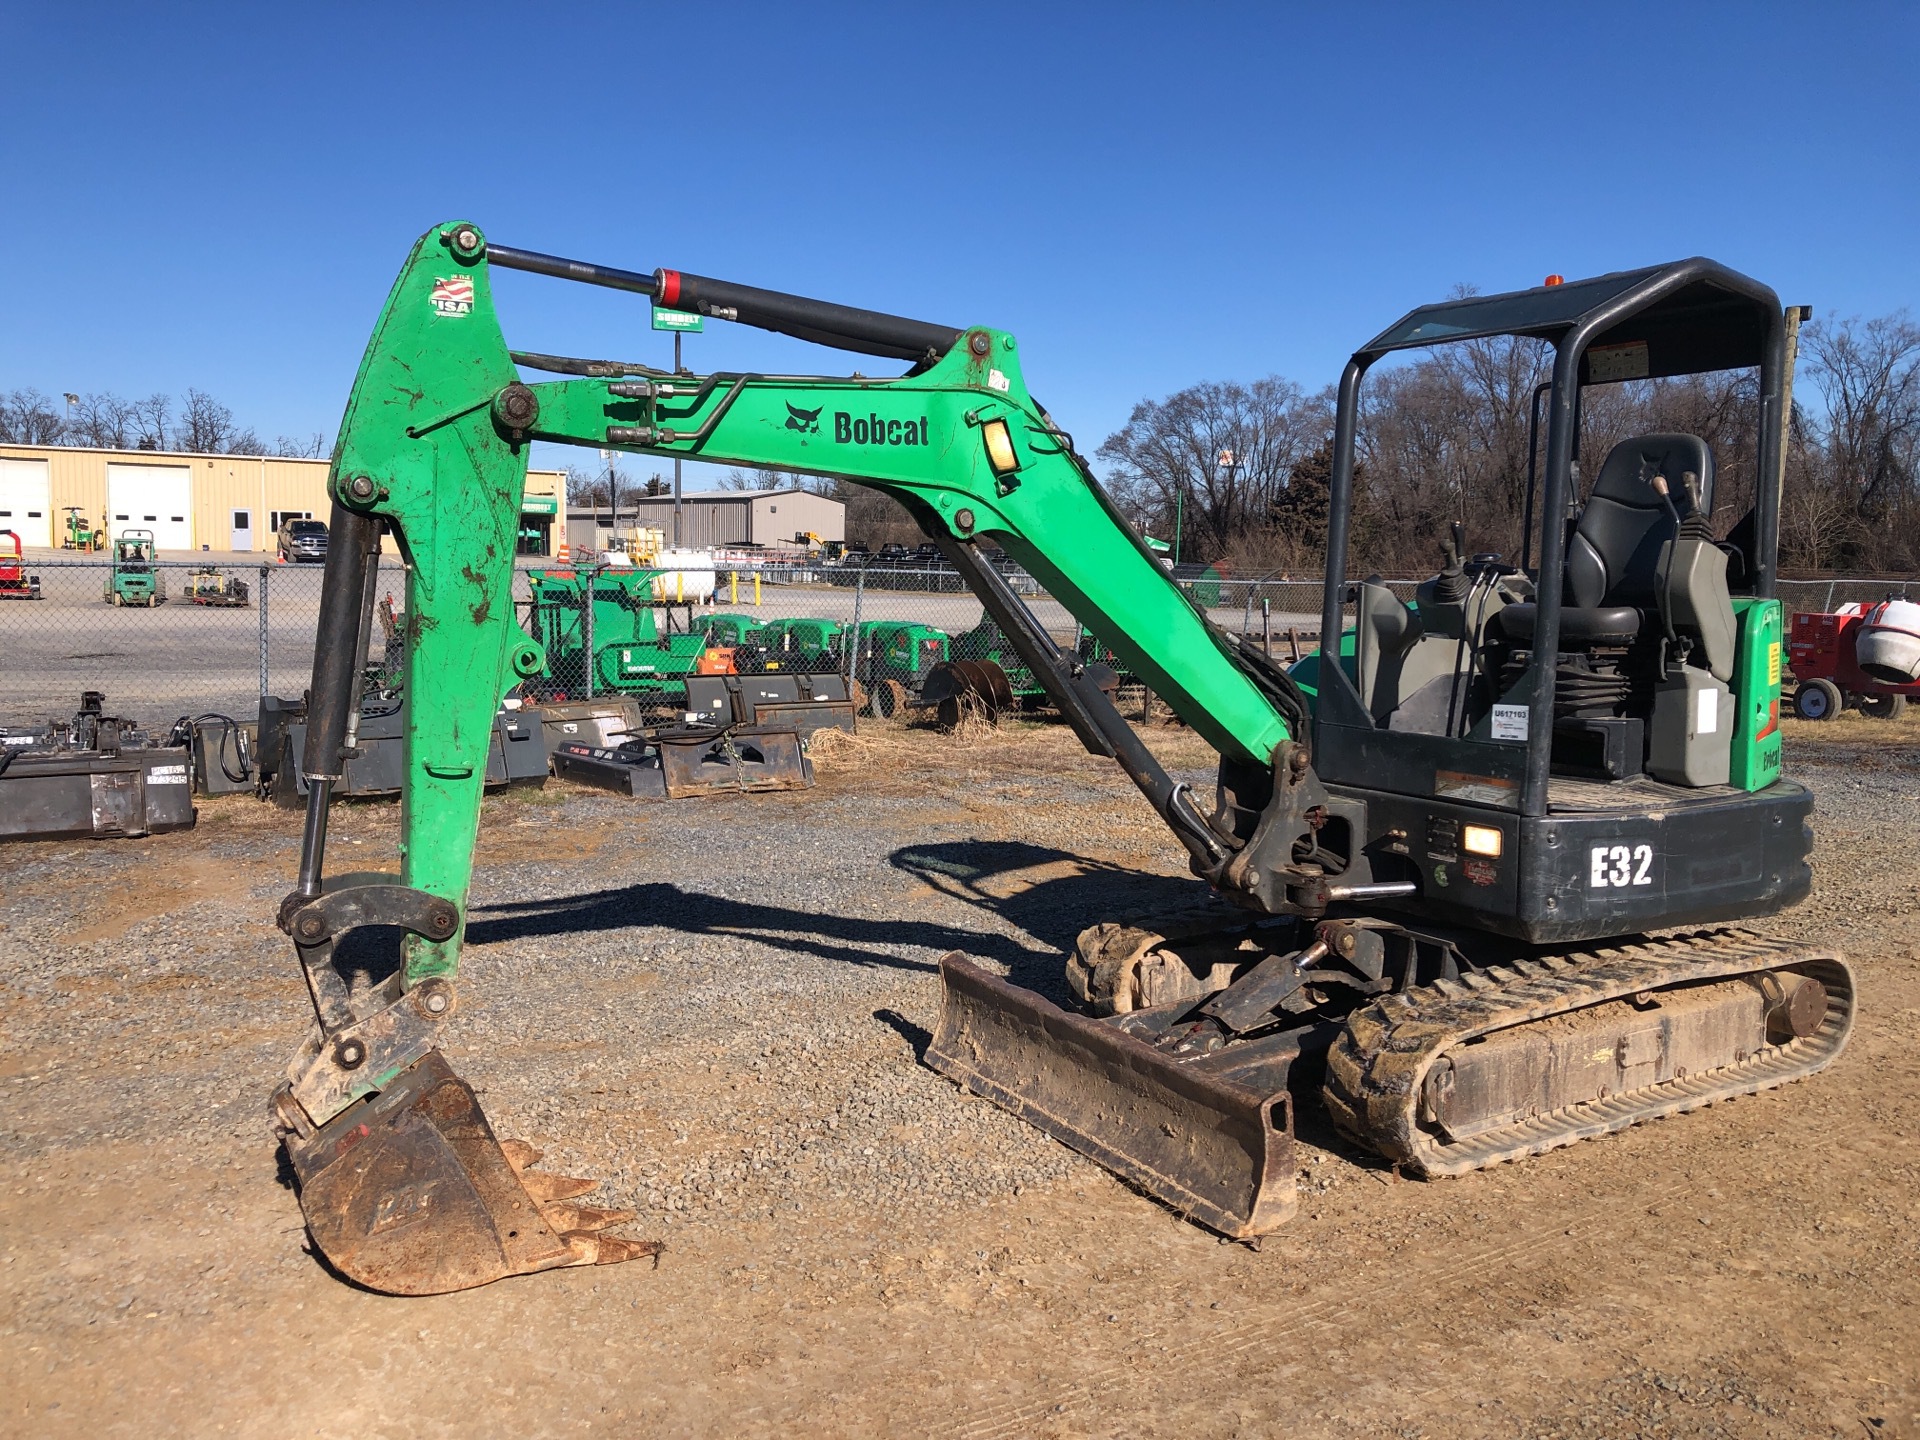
1614,557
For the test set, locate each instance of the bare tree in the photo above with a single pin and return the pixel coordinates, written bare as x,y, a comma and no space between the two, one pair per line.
1868,372
1214,458
587,487
28,418
1443,437
149,422
208,428
102,421
312,447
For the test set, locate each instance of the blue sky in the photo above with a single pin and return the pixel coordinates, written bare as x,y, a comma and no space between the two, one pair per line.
1147,196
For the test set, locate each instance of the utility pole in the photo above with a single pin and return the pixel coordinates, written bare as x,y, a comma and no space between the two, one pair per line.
677,321
1179,514
613,494
1227,463
676,458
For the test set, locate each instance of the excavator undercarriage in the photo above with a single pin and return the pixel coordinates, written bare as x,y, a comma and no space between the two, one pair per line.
1436,854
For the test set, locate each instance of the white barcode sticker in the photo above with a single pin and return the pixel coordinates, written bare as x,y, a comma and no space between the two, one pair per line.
1510,722
1706,711
167,775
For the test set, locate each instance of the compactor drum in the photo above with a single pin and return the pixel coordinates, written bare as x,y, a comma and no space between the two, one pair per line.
1437,860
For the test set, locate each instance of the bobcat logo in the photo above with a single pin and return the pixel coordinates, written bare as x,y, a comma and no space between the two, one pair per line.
807,422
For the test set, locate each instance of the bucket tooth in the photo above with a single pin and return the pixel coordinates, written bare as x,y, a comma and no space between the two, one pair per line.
566,1217
1214,1150
544,1187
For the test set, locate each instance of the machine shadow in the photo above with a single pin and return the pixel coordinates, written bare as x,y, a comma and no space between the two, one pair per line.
853,940
1063,895
1049,894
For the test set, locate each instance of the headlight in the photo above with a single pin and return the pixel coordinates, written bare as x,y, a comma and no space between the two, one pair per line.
1481,840
999,447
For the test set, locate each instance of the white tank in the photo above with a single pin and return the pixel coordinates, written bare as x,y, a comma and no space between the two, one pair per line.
1887,645
685,575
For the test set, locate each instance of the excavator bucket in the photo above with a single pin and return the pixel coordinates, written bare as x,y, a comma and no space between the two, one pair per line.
1212,1149
408,1192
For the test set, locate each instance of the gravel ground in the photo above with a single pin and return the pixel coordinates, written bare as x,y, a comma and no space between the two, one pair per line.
715,1006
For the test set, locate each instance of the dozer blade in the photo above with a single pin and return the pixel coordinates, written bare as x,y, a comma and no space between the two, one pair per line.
1214,1150
408,1192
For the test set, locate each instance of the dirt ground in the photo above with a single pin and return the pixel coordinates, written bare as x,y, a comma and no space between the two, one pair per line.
1751,1270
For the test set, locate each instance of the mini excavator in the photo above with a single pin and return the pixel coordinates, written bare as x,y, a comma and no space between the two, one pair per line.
1488,853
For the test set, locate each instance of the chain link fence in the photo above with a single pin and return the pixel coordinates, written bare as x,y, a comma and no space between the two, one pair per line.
189,654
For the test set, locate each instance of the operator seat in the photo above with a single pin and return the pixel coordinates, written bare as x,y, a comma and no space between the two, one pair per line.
1614,575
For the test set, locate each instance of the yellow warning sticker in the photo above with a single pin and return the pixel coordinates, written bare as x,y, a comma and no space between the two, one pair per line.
1773,663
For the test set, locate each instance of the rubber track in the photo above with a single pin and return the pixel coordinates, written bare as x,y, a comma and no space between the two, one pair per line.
1377,1065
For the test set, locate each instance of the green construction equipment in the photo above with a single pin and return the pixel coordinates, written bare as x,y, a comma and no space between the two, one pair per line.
635,650
727,631
132,578
1445,873
893,661
79,535
798,646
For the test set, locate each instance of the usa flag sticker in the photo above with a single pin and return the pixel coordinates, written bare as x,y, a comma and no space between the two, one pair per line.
452,295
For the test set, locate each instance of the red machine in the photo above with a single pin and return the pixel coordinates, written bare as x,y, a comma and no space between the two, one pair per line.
1867,656
15,583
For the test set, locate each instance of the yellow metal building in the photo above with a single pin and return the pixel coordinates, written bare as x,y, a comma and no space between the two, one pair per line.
227,503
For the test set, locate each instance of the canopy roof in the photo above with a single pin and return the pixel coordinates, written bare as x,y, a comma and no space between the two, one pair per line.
1681,318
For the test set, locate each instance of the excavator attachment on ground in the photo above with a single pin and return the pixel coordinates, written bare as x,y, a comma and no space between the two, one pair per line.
1209,1145
408,1192
1435,853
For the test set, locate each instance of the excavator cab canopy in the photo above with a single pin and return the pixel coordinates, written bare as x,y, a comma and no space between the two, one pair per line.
1582,573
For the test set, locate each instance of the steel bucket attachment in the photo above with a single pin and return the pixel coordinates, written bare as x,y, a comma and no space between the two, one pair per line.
684,761
696,761
960,688
1216,1151
408,1192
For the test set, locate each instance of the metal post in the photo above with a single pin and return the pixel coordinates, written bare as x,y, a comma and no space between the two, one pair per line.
676,458
852,649
586,622
265,571
1827,608
1266,626
1179,515
613,495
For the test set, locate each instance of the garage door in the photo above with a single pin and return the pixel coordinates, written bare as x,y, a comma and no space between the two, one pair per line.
25,505
151,497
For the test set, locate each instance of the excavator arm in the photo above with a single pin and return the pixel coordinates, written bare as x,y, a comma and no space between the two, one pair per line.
404,1186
